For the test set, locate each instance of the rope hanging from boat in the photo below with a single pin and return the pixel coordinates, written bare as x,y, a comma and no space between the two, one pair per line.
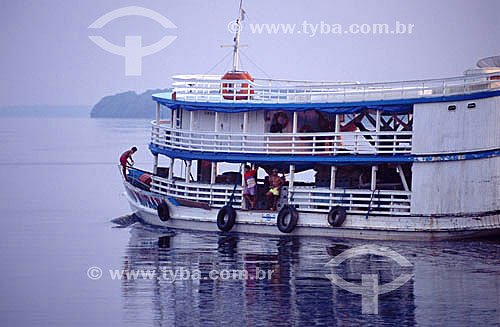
370,203
190,175
231,198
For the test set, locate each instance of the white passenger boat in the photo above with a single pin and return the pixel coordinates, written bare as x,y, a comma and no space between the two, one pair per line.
413,160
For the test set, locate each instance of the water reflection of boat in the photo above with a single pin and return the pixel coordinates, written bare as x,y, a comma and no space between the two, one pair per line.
452,283
297,291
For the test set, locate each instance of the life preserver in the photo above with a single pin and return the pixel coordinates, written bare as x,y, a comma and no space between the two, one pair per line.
163,211
226,218
336,216
241,83
287,225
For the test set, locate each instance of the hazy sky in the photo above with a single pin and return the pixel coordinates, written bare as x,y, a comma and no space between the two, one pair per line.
47,57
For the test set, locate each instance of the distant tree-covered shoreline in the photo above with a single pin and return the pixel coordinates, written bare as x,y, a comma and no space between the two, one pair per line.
126,105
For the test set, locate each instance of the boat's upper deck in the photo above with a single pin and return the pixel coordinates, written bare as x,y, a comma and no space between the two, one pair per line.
331,123
214,89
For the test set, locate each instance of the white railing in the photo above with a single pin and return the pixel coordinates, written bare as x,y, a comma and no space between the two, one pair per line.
325,143
215,196
355,201
211,88
305,199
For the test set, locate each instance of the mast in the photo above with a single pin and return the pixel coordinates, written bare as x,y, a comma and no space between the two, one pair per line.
237,38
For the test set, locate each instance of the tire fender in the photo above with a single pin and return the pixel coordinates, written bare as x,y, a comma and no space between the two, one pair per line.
336,216
163,211
287,226
226,218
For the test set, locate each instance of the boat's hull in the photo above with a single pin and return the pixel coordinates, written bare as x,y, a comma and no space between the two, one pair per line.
315,224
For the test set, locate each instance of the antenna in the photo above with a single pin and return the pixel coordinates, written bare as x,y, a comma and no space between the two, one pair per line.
236,46
237,38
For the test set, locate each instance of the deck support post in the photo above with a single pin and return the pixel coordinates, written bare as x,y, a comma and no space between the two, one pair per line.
336,130
403,178
243,187
157,123
171,169
333,169
155,163
245,122
191,127
213,173
214,164
189,163
157,114
290,183
373,184
377,129
172,160
374,178
294,130
245,131
333,173
188,171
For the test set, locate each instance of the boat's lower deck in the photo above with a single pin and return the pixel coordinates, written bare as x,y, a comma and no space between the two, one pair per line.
316,224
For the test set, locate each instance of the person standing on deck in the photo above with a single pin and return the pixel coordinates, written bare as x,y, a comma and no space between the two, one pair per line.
250,186
275,184
124,160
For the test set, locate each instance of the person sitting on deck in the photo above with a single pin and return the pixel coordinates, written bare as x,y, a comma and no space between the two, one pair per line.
250,186
124,160
275,184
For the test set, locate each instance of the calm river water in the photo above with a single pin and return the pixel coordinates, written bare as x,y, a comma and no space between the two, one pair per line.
60,188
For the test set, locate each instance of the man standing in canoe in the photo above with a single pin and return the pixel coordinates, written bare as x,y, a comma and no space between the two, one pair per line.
124,160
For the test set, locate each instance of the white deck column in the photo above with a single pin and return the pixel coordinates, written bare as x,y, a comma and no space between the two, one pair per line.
157,130
245,131
188,171
374,178
155,163
294,129
333,173
290,183
403,178
172,160
243,186
377,129
157,114
171,169
191,126
337,130
375,168
333,169
213,172
245,122
214,164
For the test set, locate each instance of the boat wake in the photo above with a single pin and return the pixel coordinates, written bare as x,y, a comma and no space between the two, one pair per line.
125,221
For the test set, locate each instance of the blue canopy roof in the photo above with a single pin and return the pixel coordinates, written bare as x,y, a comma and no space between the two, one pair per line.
337,108
386,106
